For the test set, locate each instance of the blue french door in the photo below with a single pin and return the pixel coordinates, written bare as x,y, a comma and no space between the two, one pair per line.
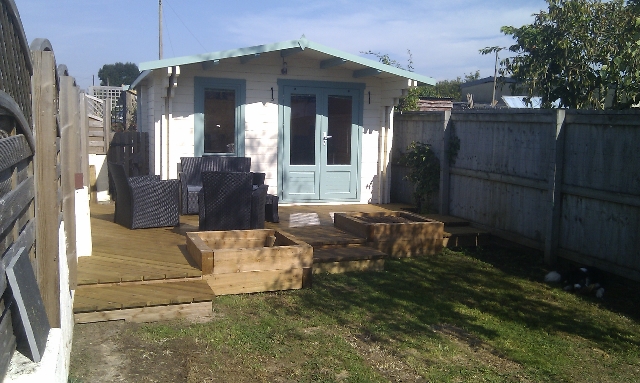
321,141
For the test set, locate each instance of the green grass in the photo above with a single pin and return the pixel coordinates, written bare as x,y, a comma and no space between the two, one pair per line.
481,316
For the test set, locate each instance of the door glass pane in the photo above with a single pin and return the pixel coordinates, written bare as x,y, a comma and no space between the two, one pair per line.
339,128
303,129
219,121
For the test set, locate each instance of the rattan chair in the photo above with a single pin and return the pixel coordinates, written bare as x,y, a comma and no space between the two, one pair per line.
190,176
229,201
144,201
258,200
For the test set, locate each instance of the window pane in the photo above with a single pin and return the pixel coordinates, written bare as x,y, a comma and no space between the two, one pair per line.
303,129
219,121
339,128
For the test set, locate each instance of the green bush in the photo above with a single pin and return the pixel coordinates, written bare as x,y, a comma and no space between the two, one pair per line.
424,172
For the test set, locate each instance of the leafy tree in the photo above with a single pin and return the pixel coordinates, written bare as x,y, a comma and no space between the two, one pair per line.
580,52
118,74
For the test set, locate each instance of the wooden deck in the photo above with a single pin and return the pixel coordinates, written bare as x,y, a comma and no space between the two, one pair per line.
147,273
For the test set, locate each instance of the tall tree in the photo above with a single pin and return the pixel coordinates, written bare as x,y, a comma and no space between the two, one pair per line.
118,74
583,52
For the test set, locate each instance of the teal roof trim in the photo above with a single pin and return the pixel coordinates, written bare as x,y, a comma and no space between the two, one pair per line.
371,63
185,60
288,46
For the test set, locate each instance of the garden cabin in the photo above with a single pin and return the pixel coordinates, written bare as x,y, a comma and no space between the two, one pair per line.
317,121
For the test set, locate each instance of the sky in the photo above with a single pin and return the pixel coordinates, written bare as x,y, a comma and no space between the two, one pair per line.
444,36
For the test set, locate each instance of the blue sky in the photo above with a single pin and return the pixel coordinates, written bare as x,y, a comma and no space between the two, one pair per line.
443,36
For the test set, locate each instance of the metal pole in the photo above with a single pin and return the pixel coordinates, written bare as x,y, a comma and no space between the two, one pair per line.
495,76
159,29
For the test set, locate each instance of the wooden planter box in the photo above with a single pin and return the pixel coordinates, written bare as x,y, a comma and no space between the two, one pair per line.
249,261
397,233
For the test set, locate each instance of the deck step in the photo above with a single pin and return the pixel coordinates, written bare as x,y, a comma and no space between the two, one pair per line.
345,259
323,237
90,298
464,236
449,221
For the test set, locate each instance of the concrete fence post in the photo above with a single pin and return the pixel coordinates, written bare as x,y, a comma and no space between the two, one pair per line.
447,126
556,165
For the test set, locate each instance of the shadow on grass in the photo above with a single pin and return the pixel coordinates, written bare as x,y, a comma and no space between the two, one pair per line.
417,295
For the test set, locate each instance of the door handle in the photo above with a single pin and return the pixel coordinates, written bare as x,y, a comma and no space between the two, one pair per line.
325,137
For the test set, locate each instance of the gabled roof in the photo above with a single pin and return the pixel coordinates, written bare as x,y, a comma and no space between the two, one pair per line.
328,58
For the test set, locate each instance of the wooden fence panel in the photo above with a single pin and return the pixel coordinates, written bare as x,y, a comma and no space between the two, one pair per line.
47,170
601,190
17,217
566,182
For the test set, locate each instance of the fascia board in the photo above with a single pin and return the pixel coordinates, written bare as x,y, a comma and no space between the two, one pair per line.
371,63
185,60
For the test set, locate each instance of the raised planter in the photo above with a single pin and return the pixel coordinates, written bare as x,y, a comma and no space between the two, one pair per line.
397,233
249,261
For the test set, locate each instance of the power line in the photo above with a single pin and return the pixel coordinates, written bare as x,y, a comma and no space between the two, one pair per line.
185,25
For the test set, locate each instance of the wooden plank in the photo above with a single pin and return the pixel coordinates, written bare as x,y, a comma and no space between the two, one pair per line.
198,311
134,257
13,150
25,240
46,180
140,295
255,281
87,303
15,202
68,162
346,254
412,248
340,267
502,178
619,198
200,252
231,235
83,129
267,258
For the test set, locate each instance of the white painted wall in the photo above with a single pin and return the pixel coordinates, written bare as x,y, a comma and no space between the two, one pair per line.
261,113
84,245
99,162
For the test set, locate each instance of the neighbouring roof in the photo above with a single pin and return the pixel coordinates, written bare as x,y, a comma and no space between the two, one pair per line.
328,57
520,102
507,80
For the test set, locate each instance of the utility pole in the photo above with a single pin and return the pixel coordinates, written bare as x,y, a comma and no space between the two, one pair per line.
159,29
495,78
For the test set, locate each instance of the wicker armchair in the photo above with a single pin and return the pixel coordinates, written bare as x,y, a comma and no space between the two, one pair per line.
228,201
144,201
191,179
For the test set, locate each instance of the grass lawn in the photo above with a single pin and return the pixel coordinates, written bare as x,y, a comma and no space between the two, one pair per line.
476,316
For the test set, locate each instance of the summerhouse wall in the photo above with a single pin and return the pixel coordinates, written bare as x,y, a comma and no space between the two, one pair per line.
261,112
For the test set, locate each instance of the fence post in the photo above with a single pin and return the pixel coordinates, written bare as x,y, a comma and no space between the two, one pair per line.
84,139
556,165
68,153
445,176
47,184
106,124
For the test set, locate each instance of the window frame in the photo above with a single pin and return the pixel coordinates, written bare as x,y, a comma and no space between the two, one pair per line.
200,84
